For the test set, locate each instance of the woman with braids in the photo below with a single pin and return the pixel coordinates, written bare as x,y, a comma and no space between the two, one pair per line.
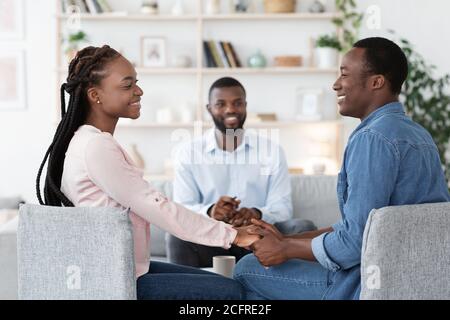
87,167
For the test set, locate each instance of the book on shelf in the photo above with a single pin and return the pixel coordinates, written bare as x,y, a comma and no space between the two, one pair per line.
210,63
228,53
215,54
223,56
235,56
86,6
220,54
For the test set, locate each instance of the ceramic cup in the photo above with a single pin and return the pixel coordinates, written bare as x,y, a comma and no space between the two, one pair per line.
224,265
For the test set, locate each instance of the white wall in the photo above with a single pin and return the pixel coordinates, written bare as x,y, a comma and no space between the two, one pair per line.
25,135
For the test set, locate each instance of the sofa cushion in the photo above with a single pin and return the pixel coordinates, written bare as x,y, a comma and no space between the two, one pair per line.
314,198
8,260
10,202
75,253
405,253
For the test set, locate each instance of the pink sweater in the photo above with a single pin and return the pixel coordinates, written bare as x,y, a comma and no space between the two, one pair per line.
99,173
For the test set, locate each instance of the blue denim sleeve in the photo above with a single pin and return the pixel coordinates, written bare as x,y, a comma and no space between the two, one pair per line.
371,166
321,255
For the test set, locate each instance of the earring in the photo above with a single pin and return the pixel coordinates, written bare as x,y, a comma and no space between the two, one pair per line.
98,101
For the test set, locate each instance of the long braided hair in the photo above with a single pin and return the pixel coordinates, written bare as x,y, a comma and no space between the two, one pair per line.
87,69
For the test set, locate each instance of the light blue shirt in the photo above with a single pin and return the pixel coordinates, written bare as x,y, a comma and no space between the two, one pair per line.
389,160
256,173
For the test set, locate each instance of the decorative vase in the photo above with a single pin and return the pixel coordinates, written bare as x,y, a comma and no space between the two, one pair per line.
182,61
319,168
257,60
149,7
178,9
316,7
241,6
136,157
213,6
326,58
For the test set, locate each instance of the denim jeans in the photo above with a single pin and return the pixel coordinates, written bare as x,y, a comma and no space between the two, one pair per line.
165,281
293,280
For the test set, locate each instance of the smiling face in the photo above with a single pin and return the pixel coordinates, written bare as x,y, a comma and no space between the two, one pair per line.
228,108
355,94
118,92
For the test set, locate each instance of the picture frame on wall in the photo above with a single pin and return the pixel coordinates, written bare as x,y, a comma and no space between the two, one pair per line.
12,79
11,20
153,52
309,104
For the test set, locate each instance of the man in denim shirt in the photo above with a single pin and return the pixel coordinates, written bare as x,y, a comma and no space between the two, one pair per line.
389,160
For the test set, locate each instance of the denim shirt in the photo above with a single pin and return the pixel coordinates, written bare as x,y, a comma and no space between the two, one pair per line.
389,160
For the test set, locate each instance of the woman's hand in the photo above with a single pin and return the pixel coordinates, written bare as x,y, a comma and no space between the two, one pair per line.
246,236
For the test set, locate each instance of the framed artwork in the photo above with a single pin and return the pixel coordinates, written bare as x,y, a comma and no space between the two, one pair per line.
309,104
153,52
11,19
12,79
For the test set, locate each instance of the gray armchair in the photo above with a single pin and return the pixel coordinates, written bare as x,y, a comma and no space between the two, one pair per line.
75,253
406,253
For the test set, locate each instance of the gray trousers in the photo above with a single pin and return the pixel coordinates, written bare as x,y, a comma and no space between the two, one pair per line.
200,256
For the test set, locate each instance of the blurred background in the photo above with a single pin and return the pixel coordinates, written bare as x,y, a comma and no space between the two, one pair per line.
286,53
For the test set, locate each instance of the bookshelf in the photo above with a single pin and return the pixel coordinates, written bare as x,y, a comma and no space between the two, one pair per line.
199,76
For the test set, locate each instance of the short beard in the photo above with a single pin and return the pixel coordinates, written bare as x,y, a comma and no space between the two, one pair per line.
221,126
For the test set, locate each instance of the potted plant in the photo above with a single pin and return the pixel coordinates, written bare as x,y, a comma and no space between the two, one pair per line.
74,41
327,48
348,21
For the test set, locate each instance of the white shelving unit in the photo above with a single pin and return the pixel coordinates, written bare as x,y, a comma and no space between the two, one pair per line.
199,72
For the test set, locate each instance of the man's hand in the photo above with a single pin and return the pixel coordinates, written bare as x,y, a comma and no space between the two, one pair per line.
271,249
268,227
244,216
246,236
224,209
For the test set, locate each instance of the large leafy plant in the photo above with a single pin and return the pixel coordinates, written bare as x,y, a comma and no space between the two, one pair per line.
349,22
427,100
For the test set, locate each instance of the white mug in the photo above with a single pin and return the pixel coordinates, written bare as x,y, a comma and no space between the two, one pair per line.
224,265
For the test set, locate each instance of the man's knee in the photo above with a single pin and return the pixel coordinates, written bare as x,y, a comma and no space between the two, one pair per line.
178,250
296,225
246,265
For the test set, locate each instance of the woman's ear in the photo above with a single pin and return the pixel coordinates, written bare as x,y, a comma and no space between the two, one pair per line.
93,96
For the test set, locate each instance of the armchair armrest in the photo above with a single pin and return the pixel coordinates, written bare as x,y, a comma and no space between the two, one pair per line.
405,253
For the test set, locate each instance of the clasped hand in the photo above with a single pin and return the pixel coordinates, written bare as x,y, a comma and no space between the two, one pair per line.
271,248
226,210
